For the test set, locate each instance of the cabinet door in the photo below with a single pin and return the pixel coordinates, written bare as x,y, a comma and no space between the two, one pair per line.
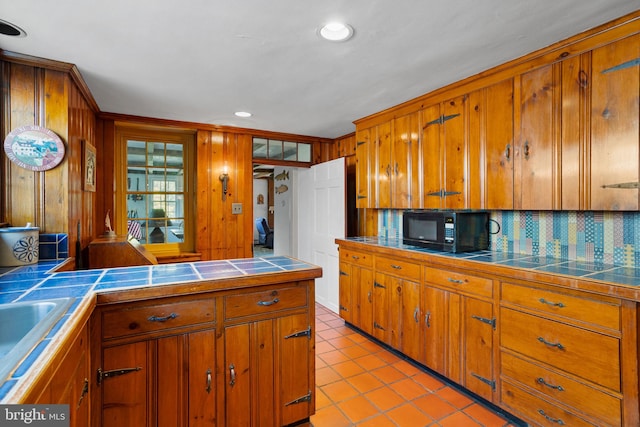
406,189
434,305
202,387
363,280
170,369
498,143
411,322
125,396
455,153
615,125
431,156
365,170
237,376
385,168
536,156
295,387
477,351
382,288
345,293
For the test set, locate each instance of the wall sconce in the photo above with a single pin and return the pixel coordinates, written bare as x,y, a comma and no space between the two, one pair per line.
224,177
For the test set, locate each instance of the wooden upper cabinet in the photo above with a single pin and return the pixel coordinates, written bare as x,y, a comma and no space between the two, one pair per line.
614,148
364,168
536,155
407,177
385,168
445,154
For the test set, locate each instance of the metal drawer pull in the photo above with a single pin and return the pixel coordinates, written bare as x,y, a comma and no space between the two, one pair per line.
553,304
456,281
232,375
551,344
355,257
555,387
162,319
267,303
85,390
369,296
553,420
397,267
208,387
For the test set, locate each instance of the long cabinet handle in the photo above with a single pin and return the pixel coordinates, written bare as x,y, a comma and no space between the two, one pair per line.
268,303
541,380
427,319
553,304
208,386
507,152
232,375
415,314
456,281
553,420
527,150
162,318
369,296
551,344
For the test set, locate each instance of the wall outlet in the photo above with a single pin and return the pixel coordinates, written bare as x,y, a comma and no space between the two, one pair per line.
236,208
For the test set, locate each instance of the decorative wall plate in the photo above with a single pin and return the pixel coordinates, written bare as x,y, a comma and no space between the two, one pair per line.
34,147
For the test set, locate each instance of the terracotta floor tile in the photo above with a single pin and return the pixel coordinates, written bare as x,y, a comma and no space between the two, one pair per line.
321,326
370,362
321,399
434,406
458,419
341,342
372,347
348,369
385,398
358,409
388,374
355,351
485,416
328,334
320,363
456,398
408,415
365,382
377,421
325,317
407,368
339,391
326,376
330,416
409,389
332,357
338,324
428,381
388,357
357,338
324,347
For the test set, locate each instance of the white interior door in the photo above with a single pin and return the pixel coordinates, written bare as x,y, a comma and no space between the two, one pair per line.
319,221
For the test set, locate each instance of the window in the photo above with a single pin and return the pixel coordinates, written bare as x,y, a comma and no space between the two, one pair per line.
156,188
273,149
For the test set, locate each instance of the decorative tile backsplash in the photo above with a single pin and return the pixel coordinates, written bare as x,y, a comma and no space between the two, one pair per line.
54,246
608,237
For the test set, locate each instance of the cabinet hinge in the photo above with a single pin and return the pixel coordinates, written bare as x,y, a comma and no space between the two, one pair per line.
440,120
491,322
305,398
624,185
361,197
343,308
622,66
359,143
378,285
449,193
485,380
115,373
376,325
305,333
342,273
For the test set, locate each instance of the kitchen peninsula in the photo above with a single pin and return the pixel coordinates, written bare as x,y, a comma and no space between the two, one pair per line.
183,344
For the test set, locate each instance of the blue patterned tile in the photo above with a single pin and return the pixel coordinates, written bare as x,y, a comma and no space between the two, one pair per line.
58,292
9,297
6,387
28,361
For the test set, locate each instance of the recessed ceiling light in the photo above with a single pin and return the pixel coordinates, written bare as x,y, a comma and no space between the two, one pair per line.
242,114
336,32
8,29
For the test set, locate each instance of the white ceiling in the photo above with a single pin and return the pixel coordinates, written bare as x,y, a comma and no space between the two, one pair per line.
201,60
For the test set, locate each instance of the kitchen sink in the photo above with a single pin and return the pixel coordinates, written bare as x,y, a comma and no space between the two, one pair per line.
23,325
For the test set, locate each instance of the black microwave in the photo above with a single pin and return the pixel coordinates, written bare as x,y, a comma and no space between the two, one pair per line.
450,231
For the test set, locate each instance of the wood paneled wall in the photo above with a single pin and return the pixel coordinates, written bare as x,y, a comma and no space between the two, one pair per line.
39,92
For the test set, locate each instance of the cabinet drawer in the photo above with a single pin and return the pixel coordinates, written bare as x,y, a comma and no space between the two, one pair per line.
356,257
396,267
570,306
586,354
564,389
156,317
265,302
537,410
460,281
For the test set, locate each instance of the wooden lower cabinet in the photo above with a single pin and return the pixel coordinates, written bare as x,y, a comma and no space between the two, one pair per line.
241,357
69,384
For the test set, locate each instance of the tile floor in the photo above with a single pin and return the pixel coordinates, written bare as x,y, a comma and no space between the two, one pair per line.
360,383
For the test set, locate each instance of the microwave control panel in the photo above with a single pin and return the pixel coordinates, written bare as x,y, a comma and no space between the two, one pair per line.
449,230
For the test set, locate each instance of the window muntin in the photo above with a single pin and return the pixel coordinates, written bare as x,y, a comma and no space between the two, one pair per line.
273,149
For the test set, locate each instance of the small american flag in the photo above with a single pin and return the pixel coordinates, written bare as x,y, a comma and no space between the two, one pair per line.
134,229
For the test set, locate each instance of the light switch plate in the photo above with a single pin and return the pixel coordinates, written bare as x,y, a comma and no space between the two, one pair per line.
236,208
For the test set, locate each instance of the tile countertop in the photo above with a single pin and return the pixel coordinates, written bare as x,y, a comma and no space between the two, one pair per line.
37,282
608,273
